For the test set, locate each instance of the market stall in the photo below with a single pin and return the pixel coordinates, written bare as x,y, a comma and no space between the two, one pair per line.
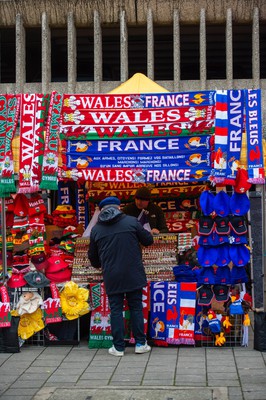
188,148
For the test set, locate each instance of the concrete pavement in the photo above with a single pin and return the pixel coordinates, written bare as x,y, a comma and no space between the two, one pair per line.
173,373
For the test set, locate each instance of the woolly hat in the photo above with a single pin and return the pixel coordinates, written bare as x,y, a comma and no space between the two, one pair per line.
21,205
241,183
237,239
223,275
238,275
206,276
223,256
208,240
221,292
143,193
222,204
205,295
239,255
219,240
206,202
239,204
36,279
207,256
109,201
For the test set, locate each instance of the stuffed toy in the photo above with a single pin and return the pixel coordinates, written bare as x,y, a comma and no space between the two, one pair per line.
216,328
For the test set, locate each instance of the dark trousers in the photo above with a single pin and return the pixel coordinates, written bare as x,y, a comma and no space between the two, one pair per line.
116,302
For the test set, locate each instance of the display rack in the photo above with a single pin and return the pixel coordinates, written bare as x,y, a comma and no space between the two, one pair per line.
233,338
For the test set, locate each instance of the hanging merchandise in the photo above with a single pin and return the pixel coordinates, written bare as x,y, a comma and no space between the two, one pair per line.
229,118
52,310
7,179
28,303
74,300
29,324
5,316
254,136
31,141
49,178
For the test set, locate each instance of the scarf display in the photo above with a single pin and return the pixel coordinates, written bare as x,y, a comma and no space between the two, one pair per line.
172,316
82,206
254,137
132,116
32,120
49,178
7,180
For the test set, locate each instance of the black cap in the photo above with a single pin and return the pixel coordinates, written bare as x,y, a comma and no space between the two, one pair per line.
143,193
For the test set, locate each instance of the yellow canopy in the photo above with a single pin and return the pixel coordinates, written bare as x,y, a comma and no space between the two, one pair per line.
139,83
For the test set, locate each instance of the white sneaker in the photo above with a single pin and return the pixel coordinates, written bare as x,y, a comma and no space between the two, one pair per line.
115,352
142,348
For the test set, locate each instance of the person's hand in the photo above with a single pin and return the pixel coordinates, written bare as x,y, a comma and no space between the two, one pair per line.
155,231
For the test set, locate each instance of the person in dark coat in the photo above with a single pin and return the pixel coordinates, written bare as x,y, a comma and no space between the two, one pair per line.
115,246
155,214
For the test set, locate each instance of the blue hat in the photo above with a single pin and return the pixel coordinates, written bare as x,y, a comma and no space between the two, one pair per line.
237,239
109,201
239,204
207,256
223,256
222,204
208,240
223,276
206,202
219,239
238,275
206,276
239,254
205,295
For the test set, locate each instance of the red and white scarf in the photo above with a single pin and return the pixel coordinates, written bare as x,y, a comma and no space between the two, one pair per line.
33,112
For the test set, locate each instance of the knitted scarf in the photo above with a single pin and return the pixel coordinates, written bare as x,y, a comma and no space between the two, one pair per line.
254,137
49,178
33,112
7,180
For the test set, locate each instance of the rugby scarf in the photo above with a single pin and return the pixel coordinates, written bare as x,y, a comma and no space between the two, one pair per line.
49,179
172,312
7,180
100,328
33,113
255,162
135,116
228,135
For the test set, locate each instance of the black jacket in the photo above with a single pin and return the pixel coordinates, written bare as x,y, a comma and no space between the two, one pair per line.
115,247
156,215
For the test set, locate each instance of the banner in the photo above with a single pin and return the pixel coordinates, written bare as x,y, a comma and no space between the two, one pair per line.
255,160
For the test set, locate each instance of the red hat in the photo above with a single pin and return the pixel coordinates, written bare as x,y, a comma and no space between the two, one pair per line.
40,261
36,205
21,205
241,183
58,270
16,280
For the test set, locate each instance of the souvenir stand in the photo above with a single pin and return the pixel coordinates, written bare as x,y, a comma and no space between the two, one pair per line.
186,147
